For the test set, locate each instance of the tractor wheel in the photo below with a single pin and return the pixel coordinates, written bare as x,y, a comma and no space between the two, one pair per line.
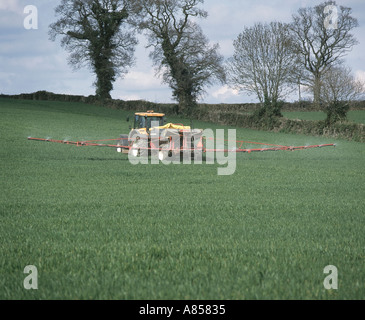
139,150
122,143
123,140
164,154
135,151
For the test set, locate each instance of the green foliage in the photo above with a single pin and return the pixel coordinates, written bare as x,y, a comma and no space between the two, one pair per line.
181,52
97,227
267,116
96,34
336,111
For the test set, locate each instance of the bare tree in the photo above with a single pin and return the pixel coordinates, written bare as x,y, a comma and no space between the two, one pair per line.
323,36
339,89
181,52
96,34
263,64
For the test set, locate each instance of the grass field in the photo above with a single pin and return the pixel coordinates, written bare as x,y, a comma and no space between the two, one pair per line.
97,227
355,116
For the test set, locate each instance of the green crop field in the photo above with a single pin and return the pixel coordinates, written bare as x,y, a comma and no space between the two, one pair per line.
357,116
97,227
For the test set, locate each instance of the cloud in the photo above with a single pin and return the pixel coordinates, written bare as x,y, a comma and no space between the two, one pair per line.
360,76
131,97
7,79
142,80
226,47
142,85
30,62
225,93
11,16
11,5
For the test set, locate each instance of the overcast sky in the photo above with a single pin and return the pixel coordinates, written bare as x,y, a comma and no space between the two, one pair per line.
29,61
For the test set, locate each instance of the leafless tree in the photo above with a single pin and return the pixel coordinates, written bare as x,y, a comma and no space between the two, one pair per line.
263,64
181,52
322,37
339,89
96,34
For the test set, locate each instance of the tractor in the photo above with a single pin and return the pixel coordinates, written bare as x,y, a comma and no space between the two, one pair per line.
151,136
151,133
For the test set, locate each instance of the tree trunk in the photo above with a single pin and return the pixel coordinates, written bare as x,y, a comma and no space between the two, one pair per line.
187,103
182,82
105,76
103,89
317,92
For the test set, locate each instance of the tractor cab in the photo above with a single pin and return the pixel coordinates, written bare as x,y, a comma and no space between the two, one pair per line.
145,120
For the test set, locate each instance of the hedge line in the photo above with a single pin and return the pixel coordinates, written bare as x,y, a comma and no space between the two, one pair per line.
341,130
237,115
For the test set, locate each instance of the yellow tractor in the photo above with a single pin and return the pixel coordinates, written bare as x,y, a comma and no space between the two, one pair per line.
150,132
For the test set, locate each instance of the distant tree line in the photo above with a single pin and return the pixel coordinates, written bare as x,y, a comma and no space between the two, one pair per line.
270,60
